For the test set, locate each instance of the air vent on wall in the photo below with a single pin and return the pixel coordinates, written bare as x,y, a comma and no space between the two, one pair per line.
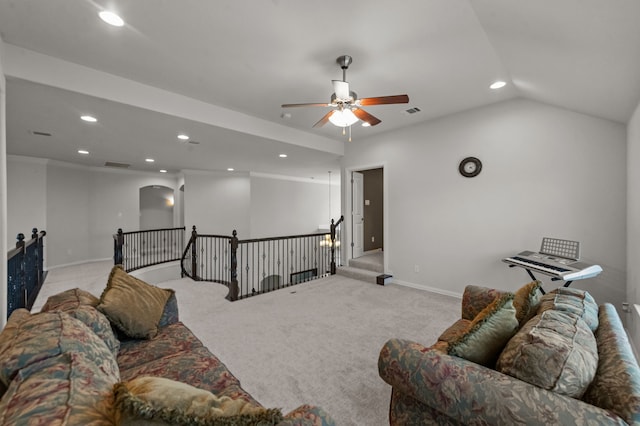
35,132
412,110
116,165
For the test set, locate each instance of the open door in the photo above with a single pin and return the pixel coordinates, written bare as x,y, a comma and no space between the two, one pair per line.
357,214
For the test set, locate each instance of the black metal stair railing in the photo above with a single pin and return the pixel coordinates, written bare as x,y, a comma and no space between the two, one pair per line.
256,266
25,271
139,249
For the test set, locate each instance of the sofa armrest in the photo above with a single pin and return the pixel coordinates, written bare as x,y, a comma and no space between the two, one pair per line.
307,415
471,393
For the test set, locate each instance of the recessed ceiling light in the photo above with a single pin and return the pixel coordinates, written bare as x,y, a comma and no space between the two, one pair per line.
88,118
283,155
111,18
230,169
365,124
497,84
163,171
83,152
183,137
149,160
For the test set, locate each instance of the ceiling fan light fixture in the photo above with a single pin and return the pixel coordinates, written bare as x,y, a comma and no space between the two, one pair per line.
111,18
343,118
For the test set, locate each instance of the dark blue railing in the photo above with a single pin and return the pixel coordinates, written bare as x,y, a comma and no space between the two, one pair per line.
25,271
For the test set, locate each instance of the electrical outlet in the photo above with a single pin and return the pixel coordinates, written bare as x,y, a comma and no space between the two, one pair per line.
625,307
373,239
416,268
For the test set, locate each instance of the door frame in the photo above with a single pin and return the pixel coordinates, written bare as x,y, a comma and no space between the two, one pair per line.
346,202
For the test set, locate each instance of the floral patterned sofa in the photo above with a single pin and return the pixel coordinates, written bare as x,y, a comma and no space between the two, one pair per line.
123,358
520,358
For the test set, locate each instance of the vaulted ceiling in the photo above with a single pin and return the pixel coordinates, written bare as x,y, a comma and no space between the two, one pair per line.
219,71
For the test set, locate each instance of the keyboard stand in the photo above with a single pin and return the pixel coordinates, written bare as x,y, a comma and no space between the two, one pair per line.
533,277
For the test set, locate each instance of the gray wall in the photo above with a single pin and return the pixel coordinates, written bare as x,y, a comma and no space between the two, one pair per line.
633,226
547,172
81,207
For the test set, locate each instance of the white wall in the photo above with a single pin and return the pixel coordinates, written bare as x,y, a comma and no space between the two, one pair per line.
633,207
79,207
546,172
67,210
633,226
217,203
292,207
26,196
3,191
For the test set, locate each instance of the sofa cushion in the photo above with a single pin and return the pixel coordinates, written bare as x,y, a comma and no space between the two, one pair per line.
526,301
174,338
572,300
98,323
198,367
29,339
482,341
134,306
616,386
64,390
167,402
69,300
555,350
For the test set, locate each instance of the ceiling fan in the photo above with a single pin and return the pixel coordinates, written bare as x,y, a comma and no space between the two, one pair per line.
346,105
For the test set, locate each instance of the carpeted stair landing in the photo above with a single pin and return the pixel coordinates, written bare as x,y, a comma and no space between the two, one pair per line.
365,268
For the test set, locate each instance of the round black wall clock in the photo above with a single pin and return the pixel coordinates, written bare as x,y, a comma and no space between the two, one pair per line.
470,167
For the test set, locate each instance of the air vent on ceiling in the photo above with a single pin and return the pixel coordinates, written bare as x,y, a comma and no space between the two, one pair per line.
412,110
194,142
35,132
116,165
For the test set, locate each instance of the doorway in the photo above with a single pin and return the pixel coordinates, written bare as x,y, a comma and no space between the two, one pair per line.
367,211
156,207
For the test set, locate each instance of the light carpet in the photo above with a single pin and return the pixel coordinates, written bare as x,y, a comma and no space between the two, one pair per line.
315,343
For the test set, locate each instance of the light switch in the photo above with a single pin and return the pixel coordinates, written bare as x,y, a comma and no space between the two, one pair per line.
367,202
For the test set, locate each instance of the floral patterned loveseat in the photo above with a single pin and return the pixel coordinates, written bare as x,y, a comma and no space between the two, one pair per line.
73,363
520,358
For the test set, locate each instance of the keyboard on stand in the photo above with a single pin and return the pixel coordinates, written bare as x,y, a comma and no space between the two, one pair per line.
557,259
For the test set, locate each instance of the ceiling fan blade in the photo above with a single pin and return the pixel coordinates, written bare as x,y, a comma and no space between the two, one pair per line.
365,116
341,89
305,105
324,119
385,100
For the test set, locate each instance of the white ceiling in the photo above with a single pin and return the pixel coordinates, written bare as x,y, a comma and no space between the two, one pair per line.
250,56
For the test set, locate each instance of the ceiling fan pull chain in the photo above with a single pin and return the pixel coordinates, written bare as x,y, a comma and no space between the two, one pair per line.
349,133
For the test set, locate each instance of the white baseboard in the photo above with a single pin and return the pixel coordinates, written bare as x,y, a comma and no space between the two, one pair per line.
80,262
427,288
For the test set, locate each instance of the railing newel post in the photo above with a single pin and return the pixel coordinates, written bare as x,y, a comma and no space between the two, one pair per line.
118,242
194,254
233,286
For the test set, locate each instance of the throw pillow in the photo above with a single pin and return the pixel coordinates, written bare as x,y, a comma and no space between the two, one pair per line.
134,306
475,298
526,301
572,300
555,350
487,334
160,401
